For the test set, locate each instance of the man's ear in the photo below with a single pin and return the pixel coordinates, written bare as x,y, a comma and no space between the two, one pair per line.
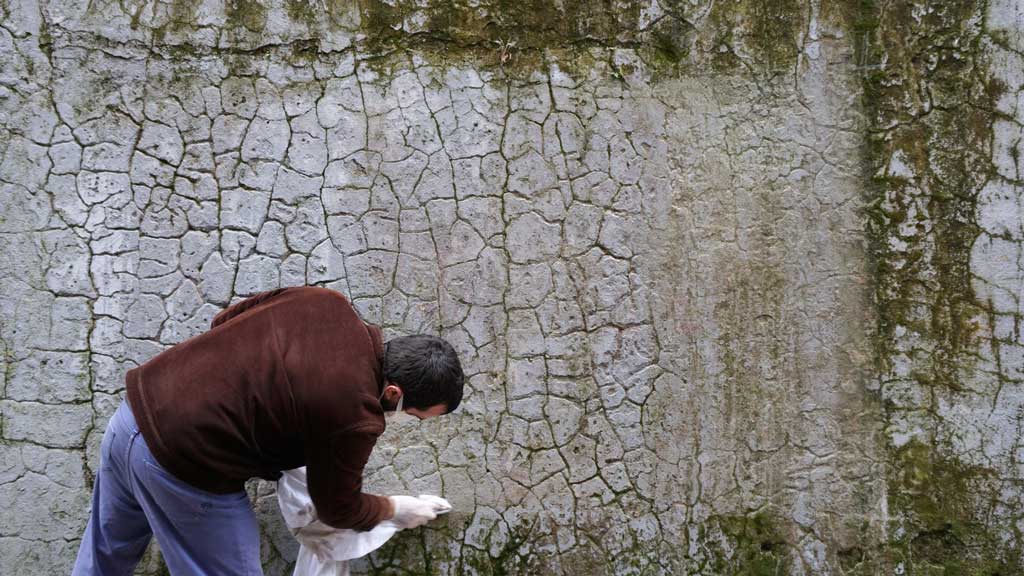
392,393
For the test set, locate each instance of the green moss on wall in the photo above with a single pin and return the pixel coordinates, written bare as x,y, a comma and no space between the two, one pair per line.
508,560
931,111
930,101
775,28
302,12
942,529
530,24
731,35
381,23
181,15
755,546
239,15
765,30
427,552
669,44
248,14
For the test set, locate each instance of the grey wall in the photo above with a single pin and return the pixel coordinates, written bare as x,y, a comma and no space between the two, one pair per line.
737,285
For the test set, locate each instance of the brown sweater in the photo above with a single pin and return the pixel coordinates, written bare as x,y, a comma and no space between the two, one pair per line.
287,378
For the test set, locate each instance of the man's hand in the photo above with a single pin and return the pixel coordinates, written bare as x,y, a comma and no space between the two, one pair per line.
411,512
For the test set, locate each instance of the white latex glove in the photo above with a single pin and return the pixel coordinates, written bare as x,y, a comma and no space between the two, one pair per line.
441,506
412,512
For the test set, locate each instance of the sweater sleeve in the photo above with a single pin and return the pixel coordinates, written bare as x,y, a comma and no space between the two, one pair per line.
334,469
243,306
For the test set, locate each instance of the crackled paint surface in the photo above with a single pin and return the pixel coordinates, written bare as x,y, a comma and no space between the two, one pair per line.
737,285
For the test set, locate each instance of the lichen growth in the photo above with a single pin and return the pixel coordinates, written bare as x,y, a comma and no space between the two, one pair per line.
507,561
942,530
755,32
930,101
775,28
181,15
423,553
755,546
302,11
734,35
248,14
669,44
929,157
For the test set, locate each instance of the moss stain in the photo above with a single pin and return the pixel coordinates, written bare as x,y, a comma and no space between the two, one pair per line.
930,98
303,12
508,560
756,546
181,15
766,30
248,14
943,531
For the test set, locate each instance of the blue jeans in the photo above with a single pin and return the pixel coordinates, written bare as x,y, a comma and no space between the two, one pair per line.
200,533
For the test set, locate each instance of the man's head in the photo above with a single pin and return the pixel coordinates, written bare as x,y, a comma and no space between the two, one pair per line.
424,371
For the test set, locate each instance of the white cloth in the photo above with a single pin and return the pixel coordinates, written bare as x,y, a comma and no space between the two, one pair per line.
325,551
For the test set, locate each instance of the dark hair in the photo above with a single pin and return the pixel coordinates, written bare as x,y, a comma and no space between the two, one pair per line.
427,369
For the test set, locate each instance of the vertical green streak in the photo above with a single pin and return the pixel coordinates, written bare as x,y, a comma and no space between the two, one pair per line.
930,100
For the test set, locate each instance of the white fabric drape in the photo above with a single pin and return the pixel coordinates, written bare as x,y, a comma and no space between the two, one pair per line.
325,551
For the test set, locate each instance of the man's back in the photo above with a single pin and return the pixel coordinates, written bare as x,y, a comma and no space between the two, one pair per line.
287,378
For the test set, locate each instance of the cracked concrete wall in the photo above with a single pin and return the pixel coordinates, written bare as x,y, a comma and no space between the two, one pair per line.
737,284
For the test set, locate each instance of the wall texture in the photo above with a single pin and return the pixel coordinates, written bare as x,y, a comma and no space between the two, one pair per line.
739,284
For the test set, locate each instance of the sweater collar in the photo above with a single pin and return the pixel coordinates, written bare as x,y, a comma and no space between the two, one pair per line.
377,339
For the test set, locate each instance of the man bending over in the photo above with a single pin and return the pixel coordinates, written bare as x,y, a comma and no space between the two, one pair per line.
287,378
